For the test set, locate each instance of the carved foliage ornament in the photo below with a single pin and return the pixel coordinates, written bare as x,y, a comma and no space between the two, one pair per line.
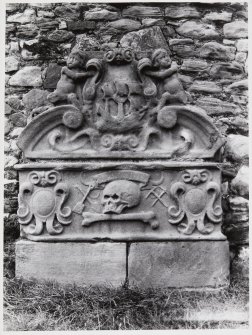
195,199
44,204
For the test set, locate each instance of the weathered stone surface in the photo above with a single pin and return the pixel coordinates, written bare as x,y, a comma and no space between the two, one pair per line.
198,30
179,264
9,163
7,126
214,106
45,13
184,51
194,65
86,42
228,42
240,184
67,11
214,50
60,36
11,64
229,70
10,205
235,29
7,109
141,11
13,7
239,99
145,39
205,86
16,132
239,204
237,147
28,16
18,119
238,86
218,16
152,22
102,14
27,31
241,57
35,98
180,41
10,28
237,233
122,25
186,80
14,47
179,12
242,45
52,75
47,25
14,102
80,25
79,263
28,76
240,264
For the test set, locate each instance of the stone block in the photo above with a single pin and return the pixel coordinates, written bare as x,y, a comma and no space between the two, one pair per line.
194,65
28,76
242,45
11,64
179,12
179,264
122,25
240,184
218,16
18,119
227,70
205,86
102,14
35,98
141,11
80,25
236,29
197,30
29,30
184,51
145,39
214,50
239,204
52,76
69,263
241,57
237,147
153,22
67,11
28,16
214,106
180,41
59,36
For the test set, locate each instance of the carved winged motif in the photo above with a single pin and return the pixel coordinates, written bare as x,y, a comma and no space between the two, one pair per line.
118,106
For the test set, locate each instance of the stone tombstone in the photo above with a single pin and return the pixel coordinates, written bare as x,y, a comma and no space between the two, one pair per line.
121,180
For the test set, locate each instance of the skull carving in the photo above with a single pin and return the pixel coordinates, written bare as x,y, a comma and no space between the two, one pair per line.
120,194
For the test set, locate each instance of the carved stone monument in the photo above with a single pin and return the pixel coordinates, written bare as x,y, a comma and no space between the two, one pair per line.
122,179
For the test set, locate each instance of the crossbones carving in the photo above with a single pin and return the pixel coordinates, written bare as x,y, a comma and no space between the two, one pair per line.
146,217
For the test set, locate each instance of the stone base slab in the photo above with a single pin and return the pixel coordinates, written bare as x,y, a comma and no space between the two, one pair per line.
181,264
187,264
69,263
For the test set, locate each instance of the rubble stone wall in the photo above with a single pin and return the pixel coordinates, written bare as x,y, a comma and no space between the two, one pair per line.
208,41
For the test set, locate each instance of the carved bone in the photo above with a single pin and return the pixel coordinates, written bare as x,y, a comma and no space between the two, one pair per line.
146,217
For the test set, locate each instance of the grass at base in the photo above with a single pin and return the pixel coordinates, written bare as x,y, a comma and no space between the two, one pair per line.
34,306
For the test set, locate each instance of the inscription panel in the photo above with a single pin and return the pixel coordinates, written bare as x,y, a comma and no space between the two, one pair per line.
120,202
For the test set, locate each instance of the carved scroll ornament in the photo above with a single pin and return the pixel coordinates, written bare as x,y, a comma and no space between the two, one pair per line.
43,204
195,198
120,106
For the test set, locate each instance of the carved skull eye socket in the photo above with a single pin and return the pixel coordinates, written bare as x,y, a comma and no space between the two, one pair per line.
115,197
59,192
26,192
106,196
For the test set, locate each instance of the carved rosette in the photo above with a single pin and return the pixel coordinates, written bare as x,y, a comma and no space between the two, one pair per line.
195,198
39,200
